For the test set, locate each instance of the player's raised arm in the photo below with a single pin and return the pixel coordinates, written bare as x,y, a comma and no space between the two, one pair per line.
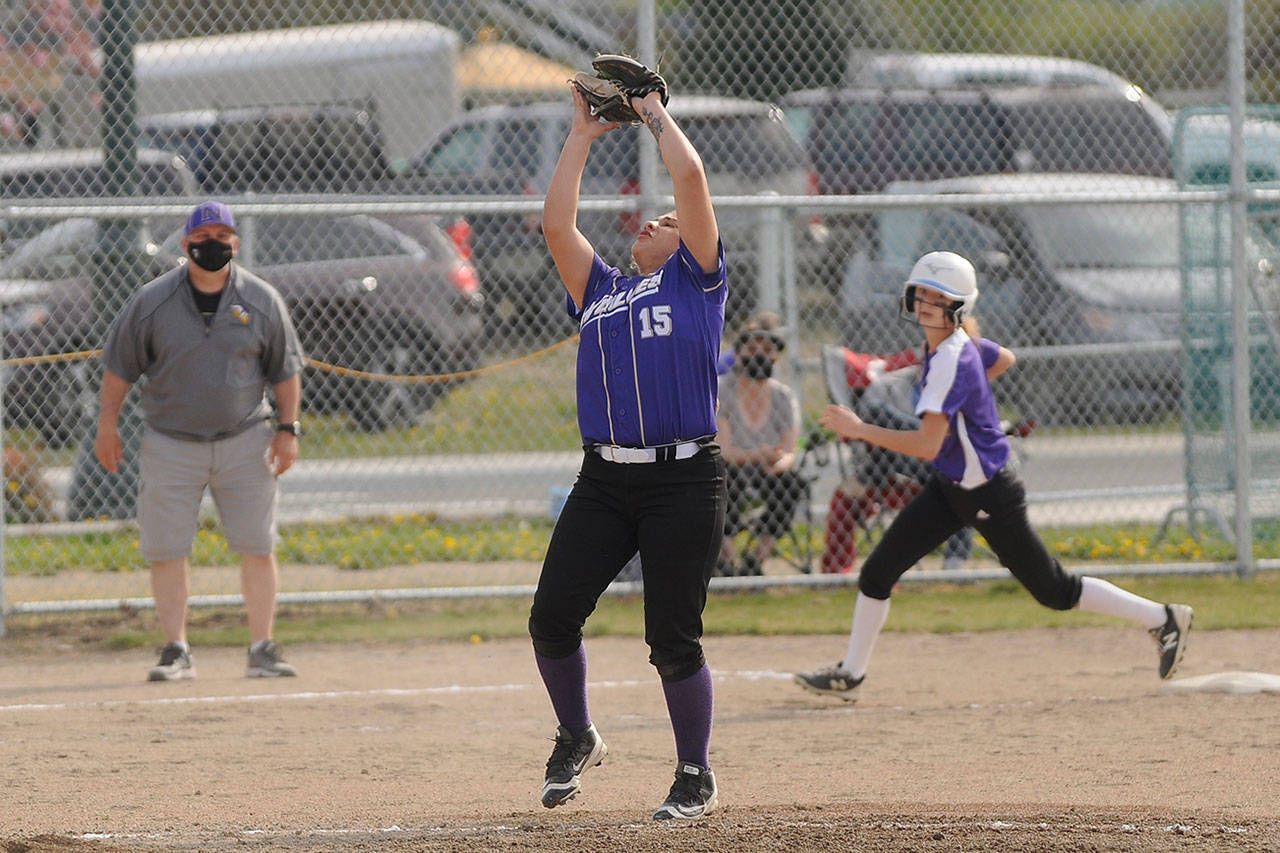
569,248
698,228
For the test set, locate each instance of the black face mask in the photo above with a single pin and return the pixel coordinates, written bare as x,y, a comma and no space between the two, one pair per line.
211,254
759,366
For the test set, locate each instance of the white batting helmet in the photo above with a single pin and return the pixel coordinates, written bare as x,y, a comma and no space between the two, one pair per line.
948,273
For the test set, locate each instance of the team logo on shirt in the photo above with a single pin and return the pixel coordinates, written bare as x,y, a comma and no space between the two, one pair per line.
240,314
619,301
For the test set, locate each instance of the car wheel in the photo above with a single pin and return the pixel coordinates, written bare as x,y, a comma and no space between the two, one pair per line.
59,402
378,405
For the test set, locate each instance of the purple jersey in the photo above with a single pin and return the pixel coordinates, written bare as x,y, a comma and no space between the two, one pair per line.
955,384
647,355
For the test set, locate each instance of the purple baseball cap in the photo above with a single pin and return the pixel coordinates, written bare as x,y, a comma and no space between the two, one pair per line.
210,213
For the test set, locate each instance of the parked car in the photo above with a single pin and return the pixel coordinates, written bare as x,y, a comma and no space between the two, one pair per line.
383,296
512,150
861,140
78,173
1103,280
329,147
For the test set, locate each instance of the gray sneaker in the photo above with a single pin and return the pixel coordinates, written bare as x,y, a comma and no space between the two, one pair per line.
1171,637
268,662
175,663
832,680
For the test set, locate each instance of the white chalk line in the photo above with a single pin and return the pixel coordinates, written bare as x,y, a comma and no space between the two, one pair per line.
452,689
895,825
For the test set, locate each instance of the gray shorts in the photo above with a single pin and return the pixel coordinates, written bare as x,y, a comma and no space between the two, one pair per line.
174,475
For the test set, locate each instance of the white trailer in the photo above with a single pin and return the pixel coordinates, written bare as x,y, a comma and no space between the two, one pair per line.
406,71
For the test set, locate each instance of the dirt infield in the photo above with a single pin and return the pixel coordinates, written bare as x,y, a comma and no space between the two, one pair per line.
1029,741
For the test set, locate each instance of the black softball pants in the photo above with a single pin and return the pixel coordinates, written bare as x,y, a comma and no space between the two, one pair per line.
998,510
673,513
781,494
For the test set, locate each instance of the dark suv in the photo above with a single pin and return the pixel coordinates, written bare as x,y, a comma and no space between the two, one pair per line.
512,150
861,140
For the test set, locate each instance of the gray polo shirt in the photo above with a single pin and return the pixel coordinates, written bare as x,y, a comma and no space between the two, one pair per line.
203,382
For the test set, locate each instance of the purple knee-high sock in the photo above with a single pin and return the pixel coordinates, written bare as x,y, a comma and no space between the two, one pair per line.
689,702
566,681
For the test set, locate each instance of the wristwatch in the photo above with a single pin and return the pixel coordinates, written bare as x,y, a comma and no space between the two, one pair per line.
289,426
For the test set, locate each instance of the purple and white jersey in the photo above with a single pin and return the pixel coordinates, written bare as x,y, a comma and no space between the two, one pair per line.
647,354
955,384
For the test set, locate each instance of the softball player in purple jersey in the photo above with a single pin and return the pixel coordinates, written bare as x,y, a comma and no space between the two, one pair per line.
970,485
652,478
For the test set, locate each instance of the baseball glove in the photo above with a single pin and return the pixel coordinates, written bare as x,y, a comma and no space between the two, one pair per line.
605,99
631,76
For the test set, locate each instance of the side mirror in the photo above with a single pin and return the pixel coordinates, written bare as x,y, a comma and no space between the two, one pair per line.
993,264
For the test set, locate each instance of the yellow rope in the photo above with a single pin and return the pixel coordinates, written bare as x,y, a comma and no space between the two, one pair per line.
325,367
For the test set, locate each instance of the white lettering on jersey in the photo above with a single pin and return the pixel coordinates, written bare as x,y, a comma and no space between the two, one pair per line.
620,301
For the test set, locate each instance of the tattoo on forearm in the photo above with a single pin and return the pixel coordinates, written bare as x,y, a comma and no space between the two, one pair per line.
654,122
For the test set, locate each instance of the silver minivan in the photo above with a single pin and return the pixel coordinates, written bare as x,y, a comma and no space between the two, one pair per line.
1090,293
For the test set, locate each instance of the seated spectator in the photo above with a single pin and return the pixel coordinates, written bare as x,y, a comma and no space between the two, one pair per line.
759,426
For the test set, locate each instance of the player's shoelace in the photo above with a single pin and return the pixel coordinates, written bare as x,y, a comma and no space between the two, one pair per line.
564,759
686,791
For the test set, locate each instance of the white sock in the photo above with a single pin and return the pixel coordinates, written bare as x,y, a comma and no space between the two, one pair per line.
1099,596
868,618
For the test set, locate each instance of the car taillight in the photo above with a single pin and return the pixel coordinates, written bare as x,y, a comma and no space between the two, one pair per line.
464,279
459,232
630,223
532,221
813,187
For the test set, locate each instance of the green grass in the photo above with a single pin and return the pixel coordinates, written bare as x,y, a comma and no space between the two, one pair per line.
417,538
1220,601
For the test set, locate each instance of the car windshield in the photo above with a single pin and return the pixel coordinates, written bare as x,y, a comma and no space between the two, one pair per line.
1103,136
1118,235
751,146
1072,236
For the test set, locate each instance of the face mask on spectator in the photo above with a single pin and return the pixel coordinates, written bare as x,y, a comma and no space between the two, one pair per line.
211,254
759,366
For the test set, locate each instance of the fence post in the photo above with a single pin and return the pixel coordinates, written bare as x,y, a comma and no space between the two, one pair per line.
117,267
1241,408
647,38
769,258
117,262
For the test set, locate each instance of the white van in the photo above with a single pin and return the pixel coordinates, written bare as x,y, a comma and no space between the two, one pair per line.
405,70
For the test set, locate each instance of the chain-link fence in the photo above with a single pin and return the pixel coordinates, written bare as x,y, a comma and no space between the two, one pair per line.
387,160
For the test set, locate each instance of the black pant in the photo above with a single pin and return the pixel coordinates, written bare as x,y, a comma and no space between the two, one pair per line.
998,510
780,493
673,513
